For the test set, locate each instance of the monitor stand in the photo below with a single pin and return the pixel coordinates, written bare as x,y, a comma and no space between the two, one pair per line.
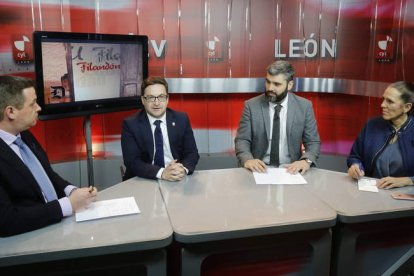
88,140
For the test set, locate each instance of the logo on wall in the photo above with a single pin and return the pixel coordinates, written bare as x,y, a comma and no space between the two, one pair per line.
22,49
384,50
309,47
214,50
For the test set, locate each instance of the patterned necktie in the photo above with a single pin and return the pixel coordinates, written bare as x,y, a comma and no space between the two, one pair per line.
159,145
37,171
274,149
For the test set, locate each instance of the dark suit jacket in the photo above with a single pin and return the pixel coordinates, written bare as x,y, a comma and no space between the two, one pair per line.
138,145
22,206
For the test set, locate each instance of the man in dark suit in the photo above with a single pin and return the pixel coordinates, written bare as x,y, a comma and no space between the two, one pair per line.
255,142
25,203
158,142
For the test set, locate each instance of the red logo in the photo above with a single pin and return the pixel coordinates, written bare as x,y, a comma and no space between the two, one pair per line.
214,50
22,49
384,51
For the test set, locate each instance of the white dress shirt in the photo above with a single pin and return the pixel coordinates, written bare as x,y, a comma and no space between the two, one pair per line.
166,142
284,156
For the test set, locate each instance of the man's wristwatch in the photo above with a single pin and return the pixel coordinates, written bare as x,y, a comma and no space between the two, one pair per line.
308,161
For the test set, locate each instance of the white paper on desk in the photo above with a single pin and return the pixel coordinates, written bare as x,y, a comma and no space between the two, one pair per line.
109,208
278,176
367,185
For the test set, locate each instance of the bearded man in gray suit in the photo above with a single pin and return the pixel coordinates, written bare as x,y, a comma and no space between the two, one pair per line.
295,125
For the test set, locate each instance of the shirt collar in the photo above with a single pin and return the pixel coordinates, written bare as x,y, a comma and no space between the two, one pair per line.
153,119
8,138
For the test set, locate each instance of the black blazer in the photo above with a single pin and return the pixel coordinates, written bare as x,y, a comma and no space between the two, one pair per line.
22,206
138,145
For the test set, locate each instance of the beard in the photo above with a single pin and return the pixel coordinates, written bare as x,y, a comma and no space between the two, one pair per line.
278,98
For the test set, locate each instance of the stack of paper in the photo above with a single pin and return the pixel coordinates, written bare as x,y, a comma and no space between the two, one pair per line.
109,208
368,185
278,176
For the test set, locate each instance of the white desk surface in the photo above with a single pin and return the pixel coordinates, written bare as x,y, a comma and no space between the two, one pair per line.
340,192
225,204
150,229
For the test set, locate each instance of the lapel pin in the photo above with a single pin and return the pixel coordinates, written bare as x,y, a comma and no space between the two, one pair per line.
173,124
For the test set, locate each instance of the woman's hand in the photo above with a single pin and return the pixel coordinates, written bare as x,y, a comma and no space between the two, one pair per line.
393,182
355,171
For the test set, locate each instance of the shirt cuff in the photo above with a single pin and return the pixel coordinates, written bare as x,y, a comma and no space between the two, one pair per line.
159,173
65,206
412,179
68,190
64,202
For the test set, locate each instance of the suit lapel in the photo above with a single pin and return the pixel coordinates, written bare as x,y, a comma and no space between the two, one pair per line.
265,113
291,114
10,157
144,127
172,131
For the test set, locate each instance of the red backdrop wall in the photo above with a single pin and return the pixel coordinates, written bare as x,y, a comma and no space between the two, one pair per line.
245,31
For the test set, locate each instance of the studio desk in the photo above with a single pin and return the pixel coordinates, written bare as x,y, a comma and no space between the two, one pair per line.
374,234
133,243
226,224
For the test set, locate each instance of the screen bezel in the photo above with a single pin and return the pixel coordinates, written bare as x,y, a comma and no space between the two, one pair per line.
83,108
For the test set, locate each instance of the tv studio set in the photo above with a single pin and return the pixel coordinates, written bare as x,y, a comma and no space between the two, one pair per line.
206,137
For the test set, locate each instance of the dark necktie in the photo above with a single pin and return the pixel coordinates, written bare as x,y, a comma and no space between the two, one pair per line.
37,171
274,149
159,145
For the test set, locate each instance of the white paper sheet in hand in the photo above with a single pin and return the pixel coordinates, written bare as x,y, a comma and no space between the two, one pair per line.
367,185
278,176
109,208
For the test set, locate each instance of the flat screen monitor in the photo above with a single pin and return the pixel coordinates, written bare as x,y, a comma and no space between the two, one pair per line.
79,74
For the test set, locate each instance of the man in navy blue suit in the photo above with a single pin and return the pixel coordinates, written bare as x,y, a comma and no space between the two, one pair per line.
158,142
32,195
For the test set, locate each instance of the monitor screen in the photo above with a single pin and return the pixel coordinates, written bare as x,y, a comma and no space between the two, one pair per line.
79,74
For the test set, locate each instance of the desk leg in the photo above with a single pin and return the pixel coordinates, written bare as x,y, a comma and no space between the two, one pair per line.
191,262
321,254
344,250
156,263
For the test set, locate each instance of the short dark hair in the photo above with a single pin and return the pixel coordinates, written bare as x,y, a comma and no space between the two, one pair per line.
406,90
154,80
281,67
11,92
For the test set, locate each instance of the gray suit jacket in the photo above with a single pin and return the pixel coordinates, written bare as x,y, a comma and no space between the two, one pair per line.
252,139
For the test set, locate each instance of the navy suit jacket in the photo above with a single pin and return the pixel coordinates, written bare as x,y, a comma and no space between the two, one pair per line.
22,206
138,144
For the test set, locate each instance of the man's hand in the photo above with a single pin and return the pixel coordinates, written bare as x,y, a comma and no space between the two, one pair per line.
393,182
255,165
355,171
298,166
81,198
174,171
